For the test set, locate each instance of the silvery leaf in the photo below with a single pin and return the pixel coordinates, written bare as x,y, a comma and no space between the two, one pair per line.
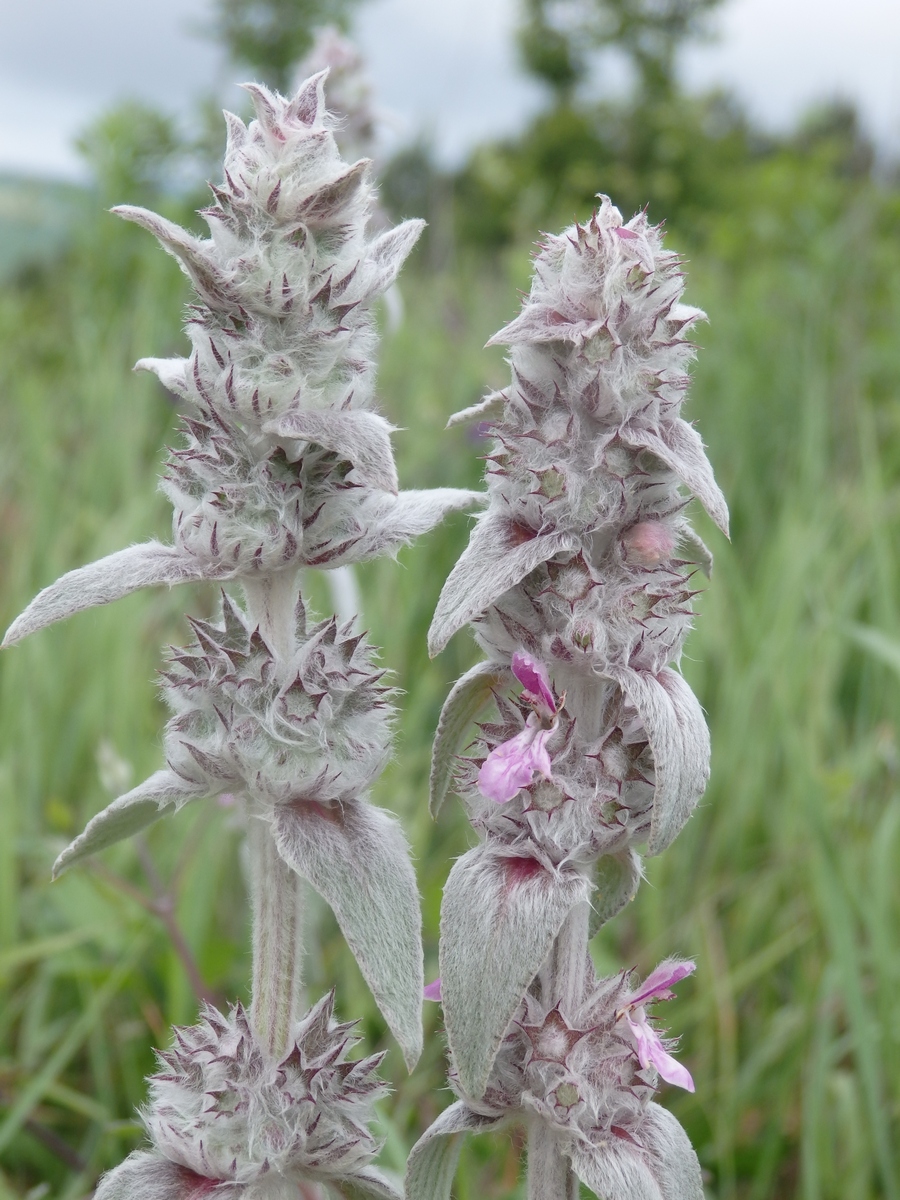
677,1170
499,917
487,409
617,878
433,1159
391,522
497,557
467,698
678,445
162,793
325,202
205,275
615,1169
679,740
367,1184
697,549
537,323
152,1177
101,582
171,373
362,437
389,252
357,858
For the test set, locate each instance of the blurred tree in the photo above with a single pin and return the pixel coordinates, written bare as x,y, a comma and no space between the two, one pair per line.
655,146
131,151
833,131
271,36
555,36
550,52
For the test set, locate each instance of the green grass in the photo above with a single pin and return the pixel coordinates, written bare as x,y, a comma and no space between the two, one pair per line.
784,884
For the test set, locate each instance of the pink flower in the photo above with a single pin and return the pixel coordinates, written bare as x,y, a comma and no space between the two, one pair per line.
511,766
651,1049
534,679
432,991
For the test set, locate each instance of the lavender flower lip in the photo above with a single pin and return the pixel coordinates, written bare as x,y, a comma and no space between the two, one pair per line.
511,765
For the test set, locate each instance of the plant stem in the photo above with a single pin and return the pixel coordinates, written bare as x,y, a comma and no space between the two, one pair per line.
277,892
550,1177
272,601
277,952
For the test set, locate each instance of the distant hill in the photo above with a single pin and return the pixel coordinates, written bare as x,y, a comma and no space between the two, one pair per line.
35,217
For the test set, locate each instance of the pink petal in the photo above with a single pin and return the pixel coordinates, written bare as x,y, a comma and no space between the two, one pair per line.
511,765
642,1034
432,991
670,1069
659,981
652,1052
533,677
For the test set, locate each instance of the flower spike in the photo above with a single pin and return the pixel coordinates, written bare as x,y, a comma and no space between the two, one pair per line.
577,583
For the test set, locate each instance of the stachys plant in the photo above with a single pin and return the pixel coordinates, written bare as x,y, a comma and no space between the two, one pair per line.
284,465
577,582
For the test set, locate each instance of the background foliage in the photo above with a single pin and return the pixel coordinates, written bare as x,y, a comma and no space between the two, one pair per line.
784,884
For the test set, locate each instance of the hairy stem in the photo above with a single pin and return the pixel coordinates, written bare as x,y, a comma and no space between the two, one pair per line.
272,601
277,951
570,957
549,1175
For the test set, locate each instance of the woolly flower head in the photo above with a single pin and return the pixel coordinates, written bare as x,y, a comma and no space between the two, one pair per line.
287,278
586,1072
584,479
222,1112
591,1070
595,800
319,729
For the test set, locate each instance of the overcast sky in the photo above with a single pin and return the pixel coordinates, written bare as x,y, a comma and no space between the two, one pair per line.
445,67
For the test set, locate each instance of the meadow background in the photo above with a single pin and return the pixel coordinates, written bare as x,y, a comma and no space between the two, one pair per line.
784,885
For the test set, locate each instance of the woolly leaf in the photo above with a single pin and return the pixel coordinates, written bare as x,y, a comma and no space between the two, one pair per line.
171,373
152,1178
389,252
308,105
679,740
615,1170
357,858
101,582
697,549
499,555
163,792
387,523
466,699
499,917
327,201
433,1159
362,437
487,409
679,446
264,107
617,878
205,275
367,1184
538,323
678,1170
